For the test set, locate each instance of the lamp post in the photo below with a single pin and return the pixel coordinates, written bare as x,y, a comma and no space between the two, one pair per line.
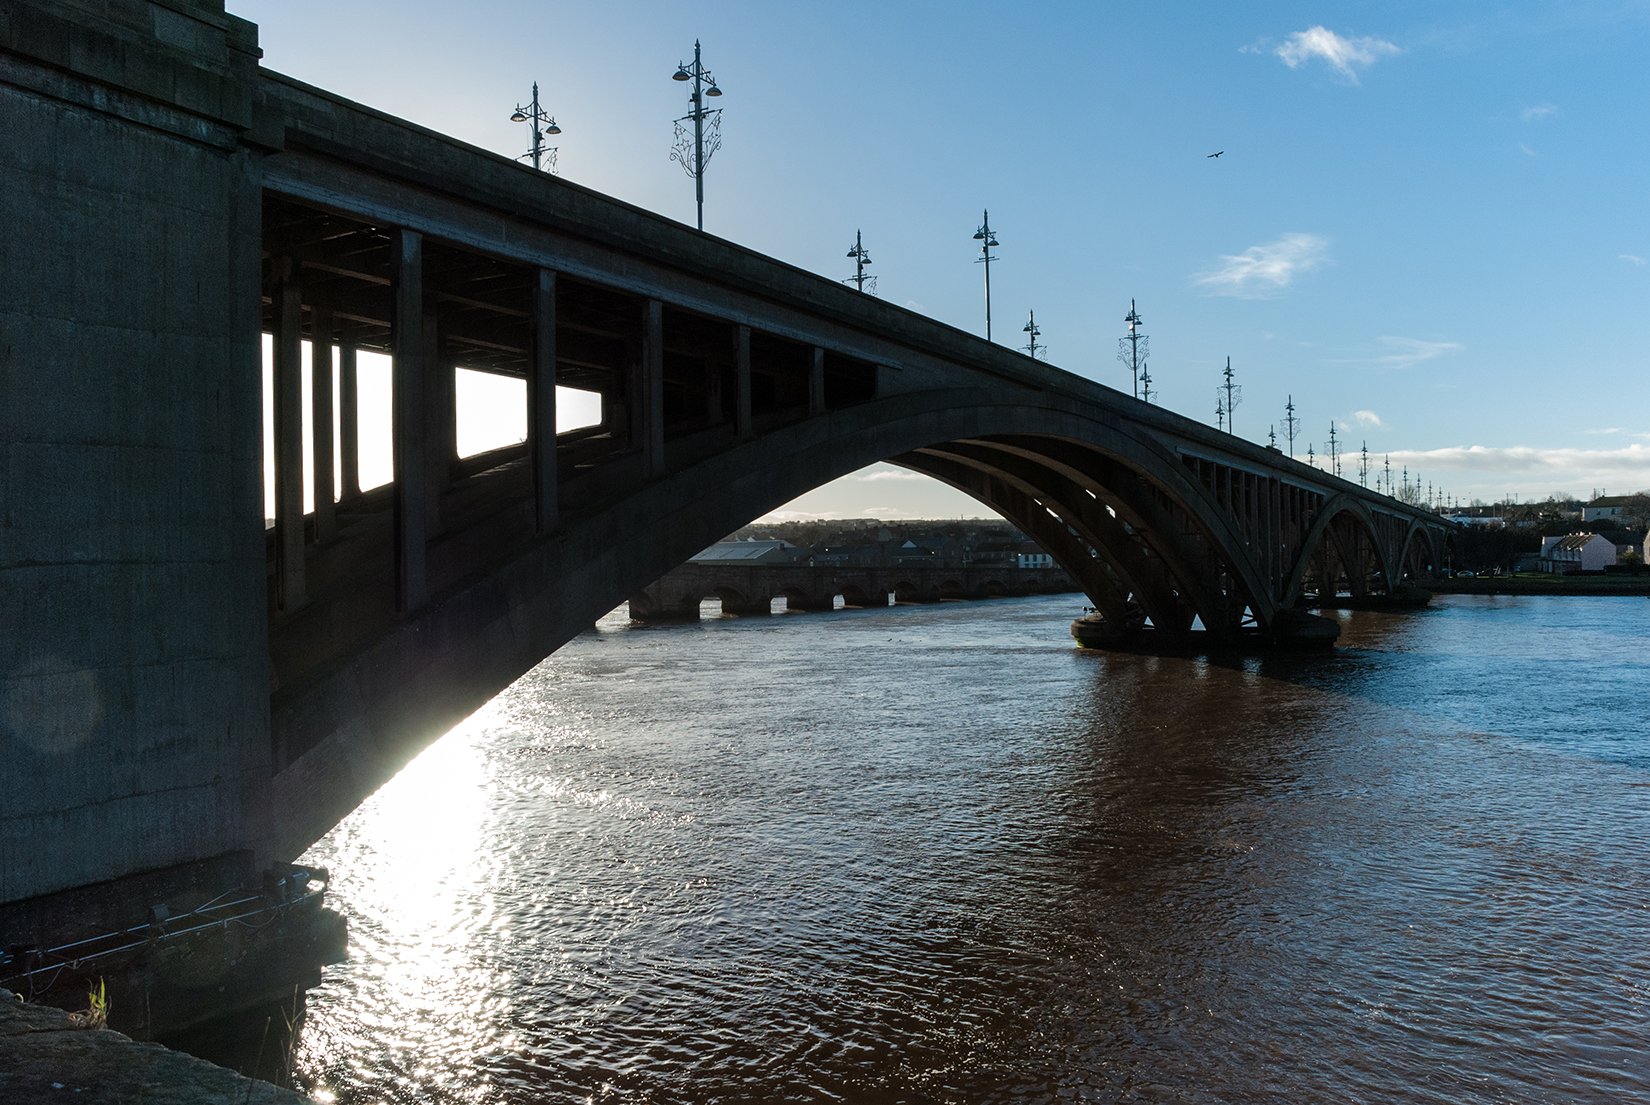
1031,346
862,257
1133,348
695,159
1234,396
543,123
987,240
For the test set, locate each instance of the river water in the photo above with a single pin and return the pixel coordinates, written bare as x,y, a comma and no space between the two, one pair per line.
939,854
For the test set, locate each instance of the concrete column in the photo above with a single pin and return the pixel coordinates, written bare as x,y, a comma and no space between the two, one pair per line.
289,438
440,420
816,383
326,517
742,423
652,397
541,401
407,420
349,421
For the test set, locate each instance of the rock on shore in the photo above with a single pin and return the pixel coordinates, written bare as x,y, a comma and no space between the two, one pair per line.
44,1057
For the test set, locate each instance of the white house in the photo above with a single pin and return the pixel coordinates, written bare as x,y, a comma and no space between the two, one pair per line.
1030,556
1607,506
1577,552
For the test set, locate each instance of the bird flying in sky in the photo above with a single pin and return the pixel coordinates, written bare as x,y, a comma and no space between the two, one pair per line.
1217,154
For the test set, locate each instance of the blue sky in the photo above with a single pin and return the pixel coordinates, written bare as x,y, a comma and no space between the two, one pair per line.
1429,223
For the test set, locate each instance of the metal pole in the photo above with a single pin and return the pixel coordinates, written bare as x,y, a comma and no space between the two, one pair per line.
538,135
987,247
698,135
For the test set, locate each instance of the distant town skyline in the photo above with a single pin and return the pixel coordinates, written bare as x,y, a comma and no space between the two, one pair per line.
1425,224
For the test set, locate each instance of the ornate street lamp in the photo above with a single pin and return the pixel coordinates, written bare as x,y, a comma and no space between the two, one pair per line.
1036,332
987,242
543,123
862,257
707,127
1134,347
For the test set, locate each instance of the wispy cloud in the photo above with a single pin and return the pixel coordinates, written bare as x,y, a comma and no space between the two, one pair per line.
1540,111
1630,463
1404,353
1611,430
1527,151
1262,271
1633,257
1342,54
1367,418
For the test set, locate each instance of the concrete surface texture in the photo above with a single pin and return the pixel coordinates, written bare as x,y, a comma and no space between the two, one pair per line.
44,1057
132,683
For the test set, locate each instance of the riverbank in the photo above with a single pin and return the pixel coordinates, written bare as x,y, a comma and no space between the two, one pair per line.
1532,584
45,1057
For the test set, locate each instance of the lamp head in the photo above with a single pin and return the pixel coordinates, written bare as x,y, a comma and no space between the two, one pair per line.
552,128
518,117
979,237
713,91
681,74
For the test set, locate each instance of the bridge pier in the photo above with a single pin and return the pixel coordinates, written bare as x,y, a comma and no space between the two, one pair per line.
1290,631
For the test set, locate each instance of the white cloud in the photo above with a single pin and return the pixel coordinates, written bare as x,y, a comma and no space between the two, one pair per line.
1612,430
1540,111
1262,271
889,474
1527,151
1341,53
1637,260
802,516
1565,465
1367,418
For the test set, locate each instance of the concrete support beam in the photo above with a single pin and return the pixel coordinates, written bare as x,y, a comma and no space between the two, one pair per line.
407,420
349,421
651,397
816,383
541,402
289,438
742,369
440,420
326,517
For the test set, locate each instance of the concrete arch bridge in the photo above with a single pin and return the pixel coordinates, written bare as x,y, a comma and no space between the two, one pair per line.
252,687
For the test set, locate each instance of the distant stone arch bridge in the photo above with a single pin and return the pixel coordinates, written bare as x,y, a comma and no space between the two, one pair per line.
238,692
751,589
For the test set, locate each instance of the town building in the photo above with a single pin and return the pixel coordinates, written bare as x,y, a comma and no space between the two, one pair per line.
1583,552
1605,506
1031,556
746,552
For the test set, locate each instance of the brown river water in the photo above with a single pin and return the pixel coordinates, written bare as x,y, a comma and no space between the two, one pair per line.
939,854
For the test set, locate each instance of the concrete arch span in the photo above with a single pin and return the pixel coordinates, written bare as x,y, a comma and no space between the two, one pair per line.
1111,500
